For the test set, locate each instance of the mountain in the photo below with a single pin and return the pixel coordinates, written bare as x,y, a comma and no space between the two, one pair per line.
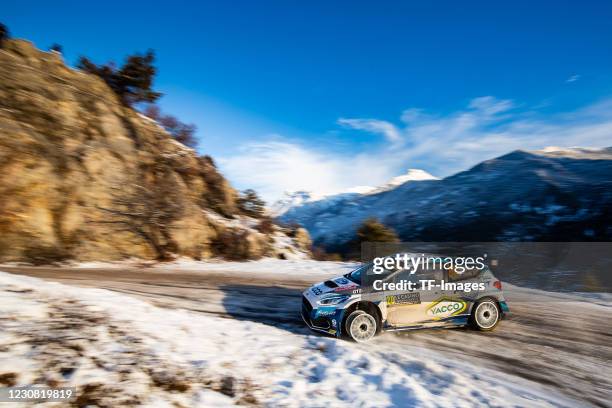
554,194
297,199
85,177
291,200
411,175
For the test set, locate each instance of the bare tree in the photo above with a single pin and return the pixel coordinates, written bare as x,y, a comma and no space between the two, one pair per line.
153,112
147,208
181,132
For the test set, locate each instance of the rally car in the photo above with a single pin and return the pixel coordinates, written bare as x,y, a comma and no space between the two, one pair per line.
350,306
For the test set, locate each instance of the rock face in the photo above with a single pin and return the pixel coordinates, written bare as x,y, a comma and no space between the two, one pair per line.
84,177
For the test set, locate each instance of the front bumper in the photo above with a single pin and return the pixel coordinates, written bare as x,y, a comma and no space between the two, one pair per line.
322,319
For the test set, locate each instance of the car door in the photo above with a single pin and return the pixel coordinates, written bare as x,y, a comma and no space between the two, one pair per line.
410,307
454,300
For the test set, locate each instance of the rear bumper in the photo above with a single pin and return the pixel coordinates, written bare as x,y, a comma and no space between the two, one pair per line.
505,310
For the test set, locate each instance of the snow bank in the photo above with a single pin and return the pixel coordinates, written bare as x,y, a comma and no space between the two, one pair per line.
300,268
118,350
304,267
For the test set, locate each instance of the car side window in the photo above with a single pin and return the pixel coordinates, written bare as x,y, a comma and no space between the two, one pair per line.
454,276
422,274
402,275
436,274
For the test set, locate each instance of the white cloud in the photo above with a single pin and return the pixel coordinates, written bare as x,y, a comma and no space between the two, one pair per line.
490,105
490,127
439,144
410,115
573,78
387,129
275,166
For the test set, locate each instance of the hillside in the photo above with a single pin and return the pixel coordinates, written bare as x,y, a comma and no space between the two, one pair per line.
84,177
550,195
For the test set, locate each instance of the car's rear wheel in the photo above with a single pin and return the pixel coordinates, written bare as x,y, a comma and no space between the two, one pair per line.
361,326
485,315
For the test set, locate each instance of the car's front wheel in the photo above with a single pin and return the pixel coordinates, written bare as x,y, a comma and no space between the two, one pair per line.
361,326
485,315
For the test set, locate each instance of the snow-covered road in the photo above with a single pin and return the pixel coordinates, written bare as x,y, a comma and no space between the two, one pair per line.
216,336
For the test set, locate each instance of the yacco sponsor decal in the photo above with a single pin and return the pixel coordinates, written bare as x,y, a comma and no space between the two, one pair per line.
316,291
446,307
404,298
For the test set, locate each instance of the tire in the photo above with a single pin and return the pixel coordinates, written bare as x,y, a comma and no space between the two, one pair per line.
485,315
361,326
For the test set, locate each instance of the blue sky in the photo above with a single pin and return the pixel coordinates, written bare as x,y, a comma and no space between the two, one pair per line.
328,95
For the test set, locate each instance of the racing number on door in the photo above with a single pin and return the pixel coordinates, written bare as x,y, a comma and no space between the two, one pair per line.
407,308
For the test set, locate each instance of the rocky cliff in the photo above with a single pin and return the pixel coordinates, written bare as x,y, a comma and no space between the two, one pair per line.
84,177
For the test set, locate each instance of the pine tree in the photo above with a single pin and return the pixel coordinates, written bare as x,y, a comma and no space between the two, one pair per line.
136,79
4,34
57,48
132,82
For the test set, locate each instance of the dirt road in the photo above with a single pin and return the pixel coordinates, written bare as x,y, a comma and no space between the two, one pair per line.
559,341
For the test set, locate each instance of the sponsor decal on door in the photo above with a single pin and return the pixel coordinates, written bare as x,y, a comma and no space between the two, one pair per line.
446,308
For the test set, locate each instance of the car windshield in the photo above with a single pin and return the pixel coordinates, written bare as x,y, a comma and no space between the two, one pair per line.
355,276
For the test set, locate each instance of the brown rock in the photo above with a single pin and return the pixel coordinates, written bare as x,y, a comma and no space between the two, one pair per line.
83,176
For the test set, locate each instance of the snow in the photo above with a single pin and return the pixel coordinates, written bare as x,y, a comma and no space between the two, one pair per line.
299,268
288,201
309,268
590,298
127,350
552,149
575,152
297,199
411,175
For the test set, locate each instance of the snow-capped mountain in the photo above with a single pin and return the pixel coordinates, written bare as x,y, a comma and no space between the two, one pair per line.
553,194
291,199
296,199
411,175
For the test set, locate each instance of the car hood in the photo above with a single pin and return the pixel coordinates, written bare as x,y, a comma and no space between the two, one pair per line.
340,285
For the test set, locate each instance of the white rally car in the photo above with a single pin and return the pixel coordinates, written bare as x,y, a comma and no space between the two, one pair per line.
348,305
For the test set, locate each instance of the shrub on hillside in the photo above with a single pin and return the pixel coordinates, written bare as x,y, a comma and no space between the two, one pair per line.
265,226
250,204
45,255
371,230
320,254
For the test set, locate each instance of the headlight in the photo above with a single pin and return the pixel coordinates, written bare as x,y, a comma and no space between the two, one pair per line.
333,300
